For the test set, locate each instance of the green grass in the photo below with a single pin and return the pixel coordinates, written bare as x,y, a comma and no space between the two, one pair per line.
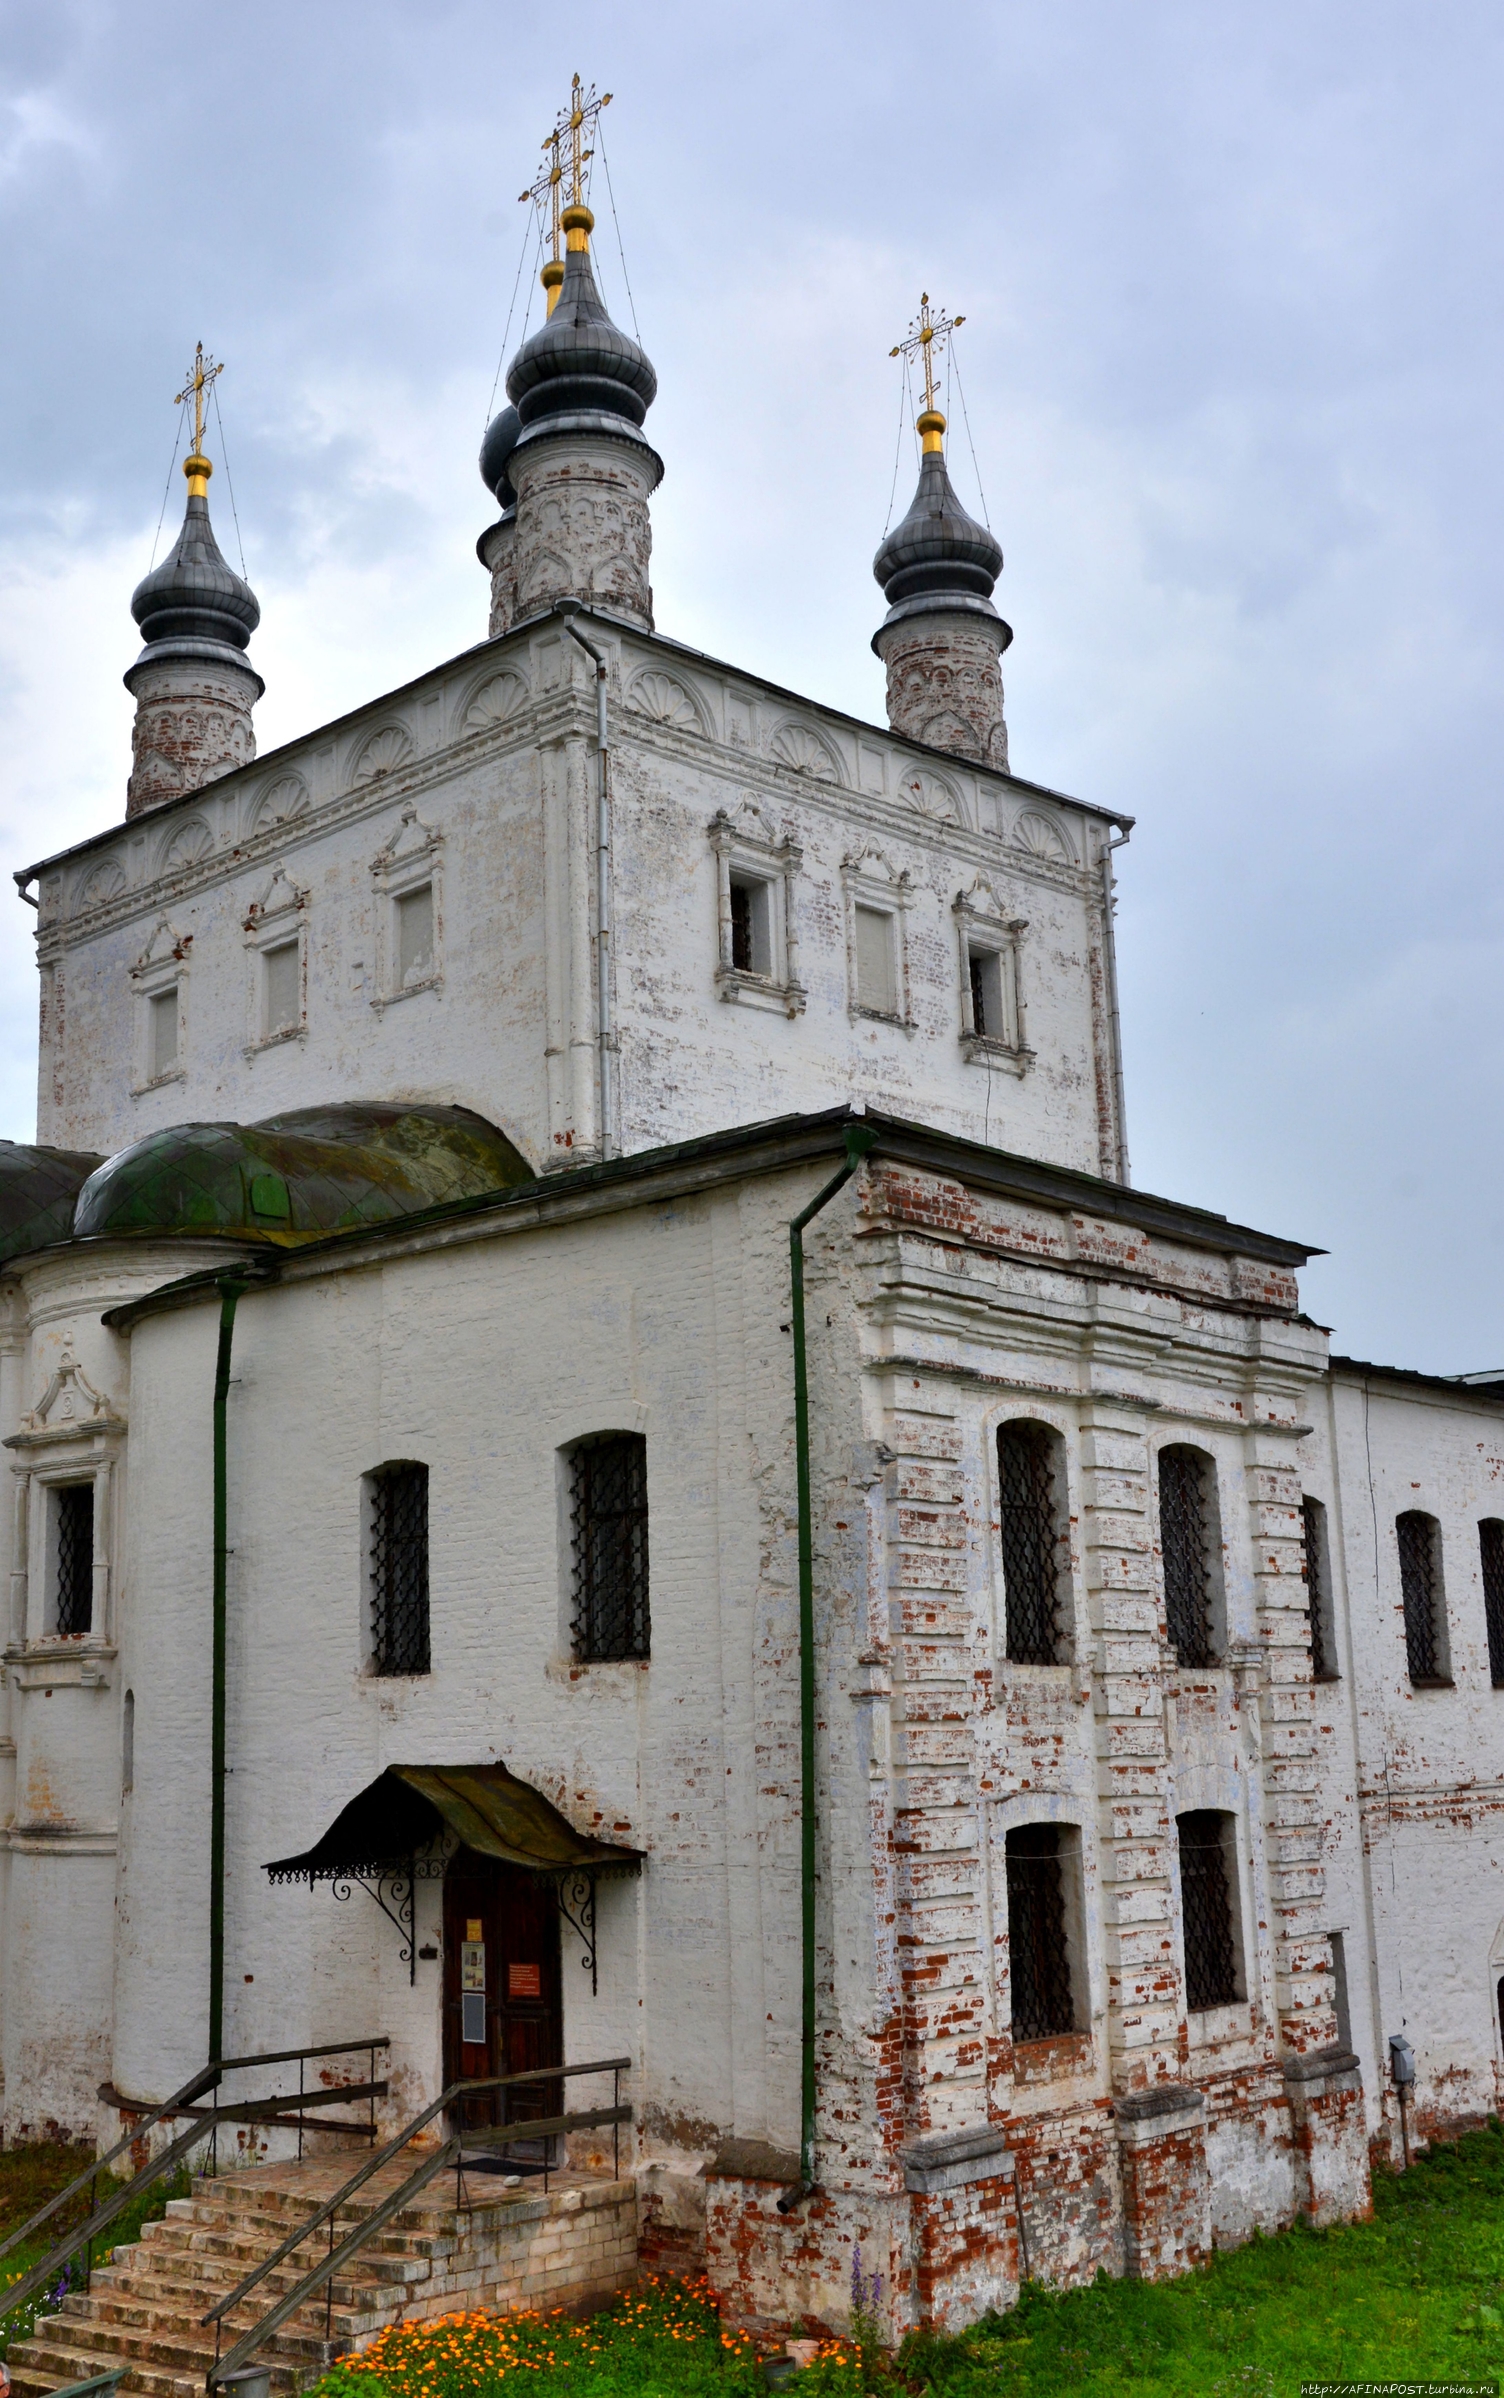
1417,2293
31,2175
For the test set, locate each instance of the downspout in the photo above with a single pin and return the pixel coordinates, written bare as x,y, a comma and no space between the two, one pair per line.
1114,1020
229,1297
859,1140
602,873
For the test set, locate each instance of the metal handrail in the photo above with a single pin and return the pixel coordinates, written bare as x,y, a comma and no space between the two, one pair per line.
205,2122
380,2215
201,2081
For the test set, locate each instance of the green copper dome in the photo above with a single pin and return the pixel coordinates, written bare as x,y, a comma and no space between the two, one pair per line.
297,1177
37,1190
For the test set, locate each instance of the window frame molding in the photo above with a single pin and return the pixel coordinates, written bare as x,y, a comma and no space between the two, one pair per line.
984,927
275,921
746,845
72,1436
412,857
152,977
870,880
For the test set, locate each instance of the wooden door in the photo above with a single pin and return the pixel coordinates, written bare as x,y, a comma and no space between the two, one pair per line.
502,2011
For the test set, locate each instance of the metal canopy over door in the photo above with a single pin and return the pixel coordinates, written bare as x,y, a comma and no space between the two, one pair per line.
503,2011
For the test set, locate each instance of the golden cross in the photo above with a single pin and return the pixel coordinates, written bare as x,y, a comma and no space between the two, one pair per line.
927,337
565,157
204,373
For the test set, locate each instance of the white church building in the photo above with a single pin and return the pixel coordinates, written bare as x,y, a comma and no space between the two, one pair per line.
414,1438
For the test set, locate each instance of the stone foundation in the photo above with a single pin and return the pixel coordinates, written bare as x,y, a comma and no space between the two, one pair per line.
1329,2137
1166,2186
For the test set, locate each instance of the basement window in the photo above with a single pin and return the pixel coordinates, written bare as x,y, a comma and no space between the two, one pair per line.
609,1527
1039,1943
1030,1475
1491,1556
397,1513
1315,1569
73,1552
1189,1535
1418,1540
1208,1879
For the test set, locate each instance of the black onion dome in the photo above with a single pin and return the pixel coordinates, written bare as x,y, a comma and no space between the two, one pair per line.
938,550
193,595
495,451
580,363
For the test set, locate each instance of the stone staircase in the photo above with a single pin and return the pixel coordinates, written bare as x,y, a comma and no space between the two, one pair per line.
506,2249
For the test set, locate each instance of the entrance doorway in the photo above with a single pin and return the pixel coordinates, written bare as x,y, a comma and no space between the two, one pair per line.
502,2000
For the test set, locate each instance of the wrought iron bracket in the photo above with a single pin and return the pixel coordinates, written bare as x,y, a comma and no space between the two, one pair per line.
577,1906
399,1913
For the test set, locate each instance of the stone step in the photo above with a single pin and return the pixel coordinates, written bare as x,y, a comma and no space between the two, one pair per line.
49,2366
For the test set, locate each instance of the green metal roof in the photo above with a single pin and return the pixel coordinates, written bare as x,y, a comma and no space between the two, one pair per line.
37,1190
296,1177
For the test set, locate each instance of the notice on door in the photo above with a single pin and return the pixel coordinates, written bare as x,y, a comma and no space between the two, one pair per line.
524,1981
473,1965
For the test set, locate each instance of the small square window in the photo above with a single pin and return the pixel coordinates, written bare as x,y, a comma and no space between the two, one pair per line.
162,1032
751,925
283,980
414,936
876,982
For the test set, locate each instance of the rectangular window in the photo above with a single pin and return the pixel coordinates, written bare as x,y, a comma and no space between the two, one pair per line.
1206,1887
609,1523
162,1032
399,1569
1491,1552
876,978
73,1527
1418,1539
282,969
751,925
414,936
1038,1951
1187,1519
1316,1573
1339,1990
1028,1518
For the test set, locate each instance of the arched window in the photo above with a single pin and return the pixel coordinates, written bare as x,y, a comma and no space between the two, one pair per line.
608,1494
1043,1928
1315,1568
1418,1538
1031,1517
1208,1882
398,1522
1491,1556
1189,1544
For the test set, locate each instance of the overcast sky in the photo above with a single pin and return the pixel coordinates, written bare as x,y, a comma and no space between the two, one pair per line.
1232,352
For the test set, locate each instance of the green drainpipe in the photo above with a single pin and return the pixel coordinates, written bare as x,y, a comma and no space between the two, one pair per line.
859,1140
229,1296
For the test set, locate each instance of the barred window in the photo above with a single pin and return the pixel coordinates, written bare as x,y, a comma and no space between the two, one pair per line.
1491,1551
399,1569
1038,1946
73,1525
609,1524
1206,1896
1188,1537
1029,1512
1316,1569
1418,1538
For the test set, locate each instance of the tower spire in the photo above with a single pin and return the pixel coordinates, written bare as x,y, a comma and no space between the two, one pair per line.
560,184
942,637
193,685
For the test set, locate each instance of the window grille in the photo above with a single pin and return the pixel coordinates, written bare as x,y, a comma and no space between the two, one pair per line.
1420,1589
1318,1596
741,928
1491,1550
609,1523
1038,1957
75,1559
981,1013
1211,1963
399,1569
1185,1546
1029,1524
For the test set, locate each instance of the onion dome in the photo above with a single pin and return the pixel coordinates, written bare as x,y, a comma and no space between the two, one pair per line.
938,557
581,372
495,452
193,601
297,1177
